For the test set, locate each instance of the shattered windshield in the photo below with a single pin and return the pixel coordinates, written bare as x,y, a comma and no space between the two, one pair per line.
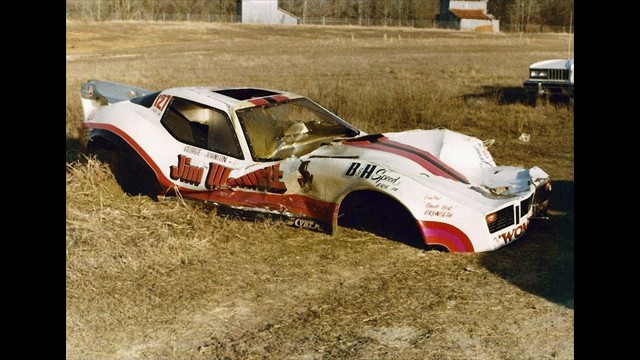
291,128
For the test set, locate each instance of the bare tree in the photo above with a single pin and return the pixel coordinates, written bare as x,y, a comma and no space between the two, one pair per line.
386,9
400,7
522,11
322,9
522,14
364,9
122,8
556,13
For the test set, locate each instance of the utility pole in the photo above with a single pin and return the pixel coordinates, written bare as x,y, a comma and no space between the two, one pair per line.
570,30
304,12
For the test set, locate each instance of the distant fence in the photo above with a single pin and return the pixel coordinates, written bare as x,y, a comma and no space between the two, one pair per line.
369,22
213,18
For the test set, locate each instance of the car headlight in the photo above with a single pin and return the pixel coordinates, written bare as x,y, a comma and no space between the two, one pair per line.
539,74
491,218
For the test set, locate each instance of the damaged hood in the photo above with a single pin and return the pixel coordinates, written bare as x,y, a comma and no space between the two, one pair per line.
436,155
470,156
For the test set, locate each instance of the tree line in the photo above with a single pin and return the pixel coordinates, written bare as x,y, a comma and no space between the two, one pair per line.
521,14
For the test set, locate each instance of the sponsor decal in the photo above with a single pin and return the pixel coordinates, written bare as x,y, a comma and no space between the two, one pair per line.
421,157
306,177
186,172
513,234
357,171
304,223
378,175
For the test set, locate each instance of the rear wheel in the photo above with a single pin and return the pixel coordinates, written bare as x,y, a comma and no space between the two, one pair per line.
131,172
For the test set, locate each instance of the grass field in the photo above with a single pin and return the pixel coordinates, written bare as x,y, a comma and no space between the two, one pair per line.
171,280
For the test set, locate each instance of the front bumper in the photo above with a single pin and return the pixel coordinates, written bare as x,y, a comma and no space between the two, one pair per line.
542,87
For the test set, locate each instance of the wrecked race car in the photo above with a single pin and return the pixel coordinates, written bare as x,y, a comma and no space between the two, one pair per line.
256,152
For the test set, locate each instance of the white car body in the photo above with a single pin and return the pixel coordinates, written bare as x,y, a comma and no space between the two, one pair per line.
448,182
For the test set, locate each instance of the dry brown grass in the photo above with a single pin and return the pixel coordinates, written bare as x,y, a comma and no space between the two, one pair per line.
171,280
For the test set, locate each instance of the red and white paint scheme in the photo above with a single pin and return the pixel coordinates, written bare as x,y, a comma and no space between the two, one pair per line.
265,152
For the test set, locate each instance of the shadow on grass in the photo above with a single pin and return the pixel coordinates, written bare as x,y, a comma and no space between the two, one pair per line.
541,262
508,95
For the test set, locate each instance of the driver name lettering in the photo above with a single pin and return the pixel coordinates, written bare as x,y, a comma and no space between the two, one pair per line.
215,156
198,151
217,176
267,179
442,214
438,210
192,150
186,172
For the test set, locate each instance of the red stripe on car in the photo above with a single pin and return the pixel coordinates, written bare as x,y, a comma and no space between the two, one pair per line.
279,98
259,102
164,182
296,204
423,158
438,233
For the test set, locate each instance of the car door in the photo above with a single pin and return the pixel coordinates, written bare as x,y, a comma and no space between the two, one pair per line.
207,147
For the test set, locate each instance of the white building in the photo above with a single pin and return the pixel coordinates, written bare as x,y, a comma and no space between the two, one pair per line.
467,15
263,12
